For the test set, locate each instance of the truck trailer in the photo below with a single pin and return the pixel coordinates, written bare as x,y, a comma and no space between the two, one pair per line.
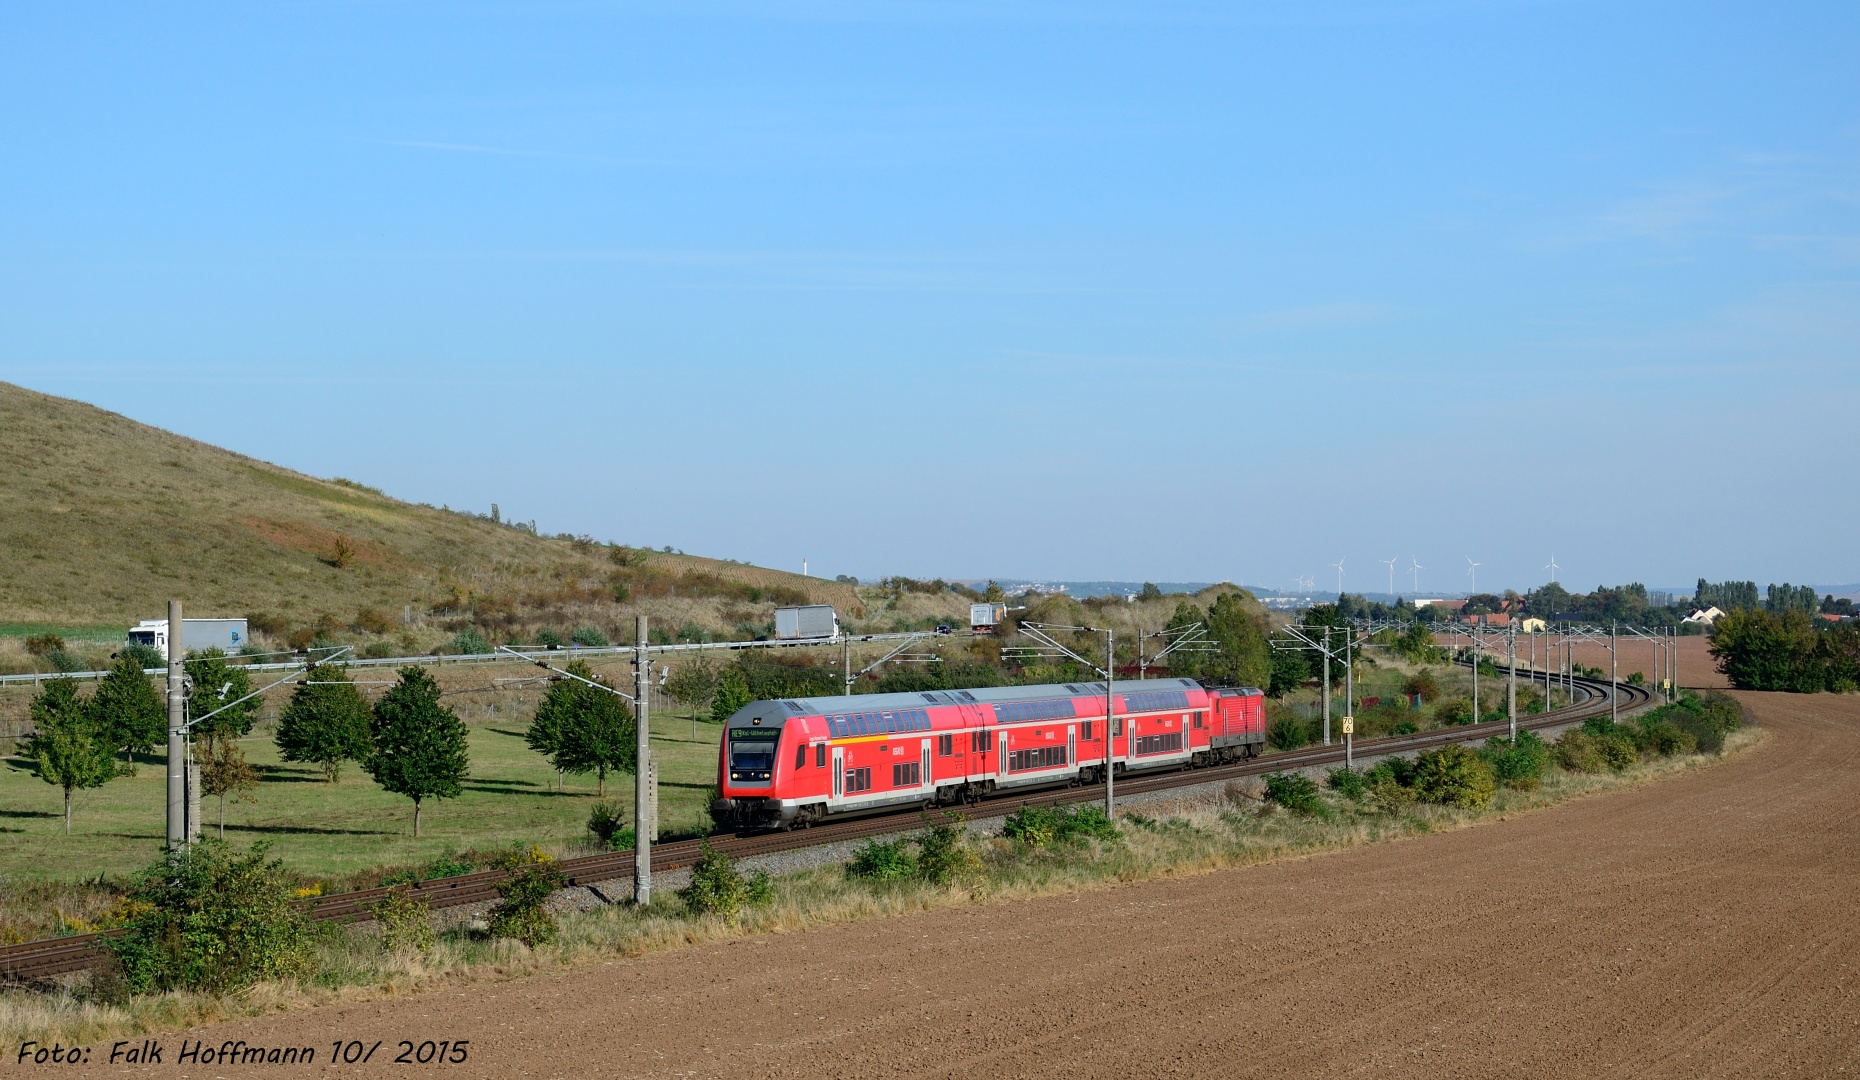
226,635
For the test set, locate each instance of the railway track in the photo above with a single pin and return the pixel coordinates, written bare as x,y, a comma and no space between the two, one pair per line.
36,961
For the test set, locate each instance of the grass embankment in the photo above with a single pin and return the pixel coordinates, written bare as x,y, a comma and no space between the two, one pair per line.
107,518
330,833
1187,835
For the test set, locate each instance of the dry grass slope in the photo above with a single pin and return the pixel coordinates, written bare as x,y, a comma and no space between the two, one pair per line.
107,518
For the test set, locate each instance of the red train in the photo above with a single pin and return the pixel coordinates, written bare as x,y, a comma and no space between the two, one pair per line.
794,762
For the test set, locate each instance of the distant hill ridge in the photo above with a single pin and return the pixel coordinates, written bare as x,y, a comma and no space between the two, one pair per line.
106,518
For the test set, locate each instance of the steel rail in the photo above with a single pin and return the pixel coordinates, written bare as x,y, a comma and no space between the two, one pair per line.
35,961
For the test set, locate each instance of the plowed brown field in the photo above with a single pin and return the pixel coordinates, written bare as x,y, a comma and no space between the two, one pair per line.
1697,926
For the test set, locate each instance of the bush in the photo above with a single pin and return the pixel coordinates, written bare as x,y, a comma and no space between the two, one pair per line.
943,856
468,642
1037,826
64,661
1517,764
1454,711
549,638
145,656
213,920
44,644
589,637
1294,791
1390,797
406,921
1656,736
1286,732
520,913
717,888
878,860
1396,770
605,821
1580,752
1347,782
1453,776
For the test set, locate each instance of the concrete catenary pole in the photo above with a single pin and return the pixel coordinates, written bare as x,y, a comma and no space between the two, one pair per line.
177,739
1326,686
1110,768
643,824
1511,684
1614,672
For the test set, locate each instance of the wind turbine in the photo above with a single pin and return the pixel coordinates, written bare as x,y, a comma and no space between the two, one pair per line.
1416,571
1338,566
1473,569
1391,565
1552,567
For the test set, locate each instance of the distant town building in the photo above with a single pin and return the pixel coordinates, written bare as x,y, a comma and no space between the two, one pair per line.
1707,617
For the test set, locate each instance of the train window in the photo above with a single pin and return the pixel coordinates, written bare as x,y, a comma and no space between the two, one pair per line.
945,745
906,774
858,780
1117,726
1086,733
1201,719
800,756
820,755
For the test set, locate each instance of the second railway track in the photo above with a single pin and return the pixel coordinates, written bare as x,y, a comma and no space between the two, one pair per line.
36,961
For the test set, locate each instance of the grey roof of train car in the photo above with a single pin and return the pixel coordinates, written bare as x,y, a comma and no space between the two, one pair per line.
980,695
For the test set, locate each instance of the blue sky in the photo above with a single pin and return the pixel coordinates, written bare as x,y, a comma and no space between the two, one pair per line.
1165,291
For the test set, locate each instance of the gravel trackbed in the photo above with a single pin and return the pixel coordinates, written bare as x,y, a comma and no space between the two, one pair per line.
1702,925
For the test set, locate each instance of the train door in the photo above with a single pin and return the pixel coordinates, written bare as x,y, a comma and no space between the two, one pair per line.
927,780
1072,745
1001,767
839,771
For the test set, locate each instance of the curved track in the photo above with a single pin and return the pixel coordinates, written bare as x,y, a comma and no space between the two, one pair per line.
34,961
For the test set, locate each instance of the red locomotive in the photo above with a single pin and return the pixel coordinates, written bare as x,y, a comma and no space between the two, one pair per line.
794,762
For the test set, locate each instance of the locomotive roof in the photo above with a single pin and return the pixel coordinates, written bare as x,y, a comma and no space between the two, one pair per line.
980,695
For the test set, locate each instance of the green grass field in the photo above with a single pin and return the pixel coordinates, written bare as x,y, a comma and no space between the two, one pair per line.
333,831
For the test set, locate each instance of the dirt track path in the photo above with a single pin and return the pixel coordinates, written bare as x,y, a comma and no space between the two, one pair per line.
1703,925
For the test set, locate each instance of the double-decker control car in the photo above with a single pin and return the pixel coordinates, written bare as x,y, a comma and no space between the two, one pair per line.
798,761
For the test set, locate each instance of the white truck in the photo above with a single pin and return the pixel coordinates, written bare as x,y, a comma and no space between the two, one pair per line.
808,623
984,617
226,635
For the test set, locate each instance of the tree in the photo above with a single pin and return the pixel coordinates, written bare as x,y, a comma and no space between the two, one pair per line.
693,684
129,712
1186,662
326,721
582,728
223,772
732,694
419,744
1290,670
217,684
1245,657
71,753
1150,592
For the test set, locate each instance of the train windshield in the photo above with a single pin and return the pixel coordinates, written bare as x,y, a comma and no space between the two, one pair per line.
752,749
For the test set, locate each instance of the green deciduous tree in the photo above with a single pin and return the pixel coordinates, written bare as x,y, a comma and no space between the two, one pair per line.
419,745
70,751
223,772
732,694
129,711
582,728
217,684
326,721
1245,657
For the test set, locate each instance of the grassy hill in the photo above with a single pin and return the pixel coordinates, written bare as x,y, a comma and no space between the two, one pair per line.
107,518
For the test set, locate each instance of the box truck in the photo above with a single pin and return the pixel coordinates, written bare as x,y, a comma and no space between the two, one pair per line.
226,635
